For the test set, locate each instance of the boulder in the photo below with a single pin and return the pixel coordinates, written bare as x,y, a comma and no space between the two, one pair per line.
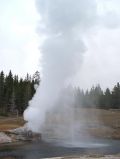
24,134
4,138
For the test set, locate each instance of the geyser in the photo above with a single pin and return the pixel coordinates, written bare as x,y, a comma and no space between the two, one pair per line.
64,24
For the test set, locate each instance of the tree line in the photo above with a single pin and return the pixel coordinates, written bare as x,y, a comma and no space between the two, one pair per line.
96,97
16,92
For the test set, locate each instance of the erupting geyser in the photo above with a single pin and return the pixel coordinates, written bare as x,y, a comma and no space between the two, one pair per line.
64,24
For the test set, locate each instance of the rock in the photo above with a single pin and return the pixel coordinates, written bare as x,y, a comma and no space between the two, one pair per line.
23,134
4,138
20,130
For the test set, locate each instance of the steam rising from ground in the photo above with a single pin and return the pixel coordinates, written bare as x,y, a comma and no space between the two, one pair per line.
64,24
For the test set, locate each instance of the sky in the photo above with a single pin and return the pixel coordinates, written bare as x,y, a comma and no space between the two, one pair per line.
20,42
102,58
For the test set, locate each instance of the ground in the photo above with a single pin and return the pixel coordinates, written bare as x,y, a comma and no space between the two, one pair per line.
110,120
95,122
89,157
110,124
7,123
82,157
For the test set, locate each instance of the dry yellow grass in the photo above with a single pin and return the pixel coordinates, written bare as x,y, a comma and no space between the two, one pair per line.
10,123
99,123
110,120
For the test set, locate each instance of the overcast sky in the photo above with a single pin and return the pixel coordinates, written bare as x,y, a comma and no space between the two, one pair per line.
101,62
19,42
18,39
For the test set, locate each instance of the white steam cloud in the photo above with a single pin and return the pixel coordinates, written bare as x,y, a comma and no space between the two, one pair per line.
70,29
64,23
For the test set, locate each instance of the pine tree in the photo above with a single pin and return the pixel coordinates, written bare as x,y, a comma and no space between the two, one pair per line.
2,90
107,99
9,90
116,97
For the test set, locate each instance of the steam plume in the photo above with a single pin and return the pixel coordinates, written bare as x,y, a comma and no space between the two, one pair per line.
64,23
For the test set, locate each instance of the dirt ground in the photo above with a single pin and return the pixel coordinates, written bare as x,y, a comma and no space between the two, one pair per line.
106,157
110,124
7,123
83,157
88,157
95,122
108,121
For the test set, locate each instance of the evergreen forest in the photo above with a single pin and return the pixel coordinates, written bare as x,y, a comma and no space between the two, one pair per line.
16,92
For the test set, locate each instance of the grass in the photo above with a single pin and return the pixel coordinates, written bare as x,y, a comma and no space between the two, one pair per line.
98,122
7,123
111,120
102,123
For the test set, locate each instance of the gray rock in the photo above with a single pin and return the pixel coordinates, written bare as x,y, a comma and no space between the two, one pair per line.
4,138
24,134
